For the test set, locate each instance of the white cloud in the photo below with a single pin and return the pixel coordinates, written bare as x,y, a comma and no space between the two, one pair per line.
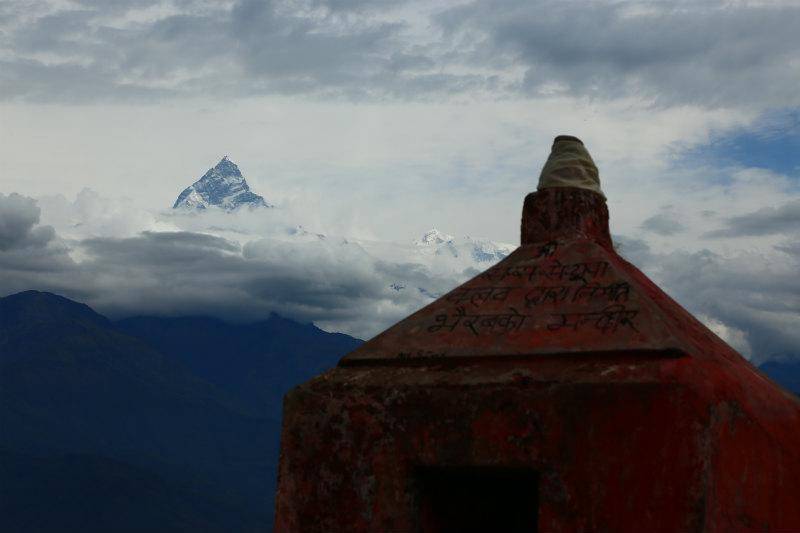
750,299
689,52
734,337
241,265
381,171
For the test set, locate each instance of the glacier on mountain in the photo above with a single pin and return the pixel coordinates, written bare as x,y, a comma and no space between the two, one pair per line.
222,186
476,250
434,237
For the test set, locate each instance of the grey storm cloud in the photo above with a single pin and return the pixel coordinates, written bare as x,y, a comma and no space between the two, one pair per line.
747,292
676,52
686,52
185,273
253,47
19,218
28,251
791,248
663,224
765,221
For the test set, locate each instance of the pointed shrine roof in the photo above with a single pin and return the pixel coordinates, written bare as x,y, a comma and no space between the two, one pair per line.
564,291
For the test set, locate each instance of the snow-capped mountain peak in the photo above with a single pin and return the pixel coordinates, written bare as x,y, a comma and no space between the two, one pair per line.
486,251
222,186
478,250
434,237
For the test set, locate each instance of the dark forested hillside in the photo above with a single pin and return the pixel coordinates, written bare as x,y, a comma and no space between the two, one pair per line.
256,363
173,421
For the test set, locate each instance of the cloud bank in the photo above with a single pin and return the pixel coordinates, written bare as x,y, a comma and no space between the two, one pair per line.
343,285
19,217
715,53
750,299
359,287
766,221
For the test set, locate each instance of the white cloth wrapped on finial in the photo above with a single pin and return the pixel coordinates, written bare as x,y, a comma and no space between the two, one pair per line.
570,165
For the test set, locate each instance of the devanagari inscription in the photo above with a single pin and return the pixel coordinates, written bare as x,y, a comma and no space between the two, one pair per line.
479,323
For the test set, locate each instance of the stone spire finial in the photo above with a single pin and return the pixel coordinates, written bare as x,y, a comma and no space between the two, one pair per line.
570,165
568,204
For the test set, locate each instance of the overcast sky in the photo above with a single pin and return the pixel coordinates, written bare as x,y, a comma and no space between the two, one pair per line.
378,120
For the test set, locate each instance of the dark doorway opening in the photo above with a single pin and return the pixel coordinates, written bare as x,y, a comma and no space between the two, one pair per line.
477,499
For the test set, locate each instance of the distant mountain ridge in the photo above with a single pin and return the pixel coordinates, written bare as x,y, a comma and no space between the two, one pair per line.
179,419
222,186
257,363
785,373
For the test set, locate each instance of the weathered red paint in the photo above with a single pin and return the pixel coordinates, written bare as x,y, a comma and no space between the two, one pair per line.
635,415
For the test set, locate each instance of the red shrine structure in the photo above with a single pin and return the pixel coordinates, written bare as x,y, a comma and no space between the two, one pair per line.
560,390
